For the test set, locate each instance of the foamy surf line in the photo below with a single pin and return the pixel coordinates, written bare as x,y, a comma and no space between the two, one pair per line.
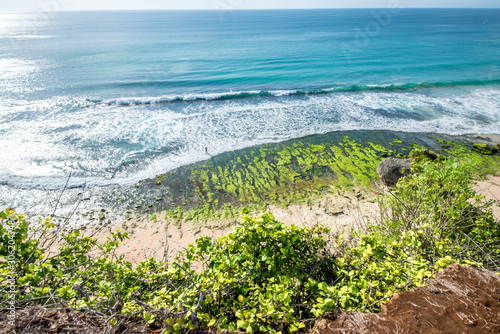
151,168
100,144
280,93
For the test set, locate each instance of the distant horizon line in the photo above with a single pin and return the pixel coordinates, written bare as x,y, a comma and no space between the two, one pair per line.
237,9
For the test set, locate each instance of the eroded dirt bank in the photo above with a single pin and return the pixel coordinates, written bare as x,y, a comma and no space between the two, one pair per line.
460,299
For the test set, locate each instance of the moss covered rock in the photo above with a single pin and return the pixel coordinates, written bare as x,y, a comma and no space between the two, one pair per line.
482,148
419,155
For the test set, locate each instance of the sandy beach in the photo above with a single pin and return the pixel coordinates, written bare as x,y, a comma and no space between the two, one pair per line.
162,239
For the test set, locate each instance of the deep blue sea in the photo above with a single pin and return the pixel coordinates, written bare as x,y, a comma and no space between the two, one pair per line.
115,97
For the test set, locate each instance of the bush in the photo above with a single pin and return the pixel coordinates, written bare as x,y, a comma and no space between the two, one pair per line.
262,277
439,203
373,266
432,218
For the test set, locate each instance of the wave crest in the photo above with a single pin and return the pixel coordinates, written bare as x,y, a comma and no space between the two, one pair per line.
280,93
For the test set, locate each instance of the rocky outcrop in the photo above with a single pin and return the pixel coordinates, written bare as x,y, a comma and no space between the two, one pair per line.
433,156
461,299
391,170
482,148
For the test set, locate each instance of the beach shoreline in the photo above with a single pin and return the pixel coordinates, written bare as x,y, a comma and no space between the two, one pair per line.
162,232
84,205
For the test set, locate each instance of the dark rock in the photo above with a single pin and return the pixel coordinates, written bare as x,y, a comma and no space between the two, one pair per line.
482,148
495,149
391,170
431,154
334,212
421,155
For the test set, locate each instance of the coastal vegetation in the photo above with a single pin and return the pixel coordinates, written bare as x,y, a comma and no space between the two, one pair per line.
266,276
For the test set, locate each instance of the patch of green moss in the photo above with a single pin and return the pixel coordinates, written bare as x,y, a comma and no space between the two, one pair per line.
293,173
482,148
159,179
487,164
287,174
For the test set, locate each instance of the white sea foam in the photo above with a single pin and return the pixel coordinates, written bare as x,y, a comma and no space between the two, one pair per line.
108,143
130,101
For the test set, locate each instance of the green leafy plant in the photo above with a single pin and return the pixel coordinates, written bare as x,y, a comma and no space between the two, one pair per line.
440,202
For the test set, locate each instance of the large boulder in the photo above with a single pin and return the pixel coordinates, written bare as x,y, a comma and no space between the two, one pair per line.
391,170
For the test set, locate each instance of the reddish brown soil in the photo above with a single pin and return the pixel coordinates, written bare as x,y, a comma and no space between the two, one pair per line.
461,299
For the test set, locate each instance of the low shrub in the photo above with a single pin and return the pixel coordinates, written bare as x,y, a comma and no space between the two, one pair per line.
440,203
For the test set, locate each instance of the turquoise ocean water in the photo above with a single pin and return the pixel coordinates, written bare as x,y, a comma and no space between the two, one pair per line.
115,97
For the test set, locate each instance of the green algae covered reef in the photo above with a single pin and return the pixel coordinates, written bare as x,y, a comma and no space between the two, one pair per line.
289,172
